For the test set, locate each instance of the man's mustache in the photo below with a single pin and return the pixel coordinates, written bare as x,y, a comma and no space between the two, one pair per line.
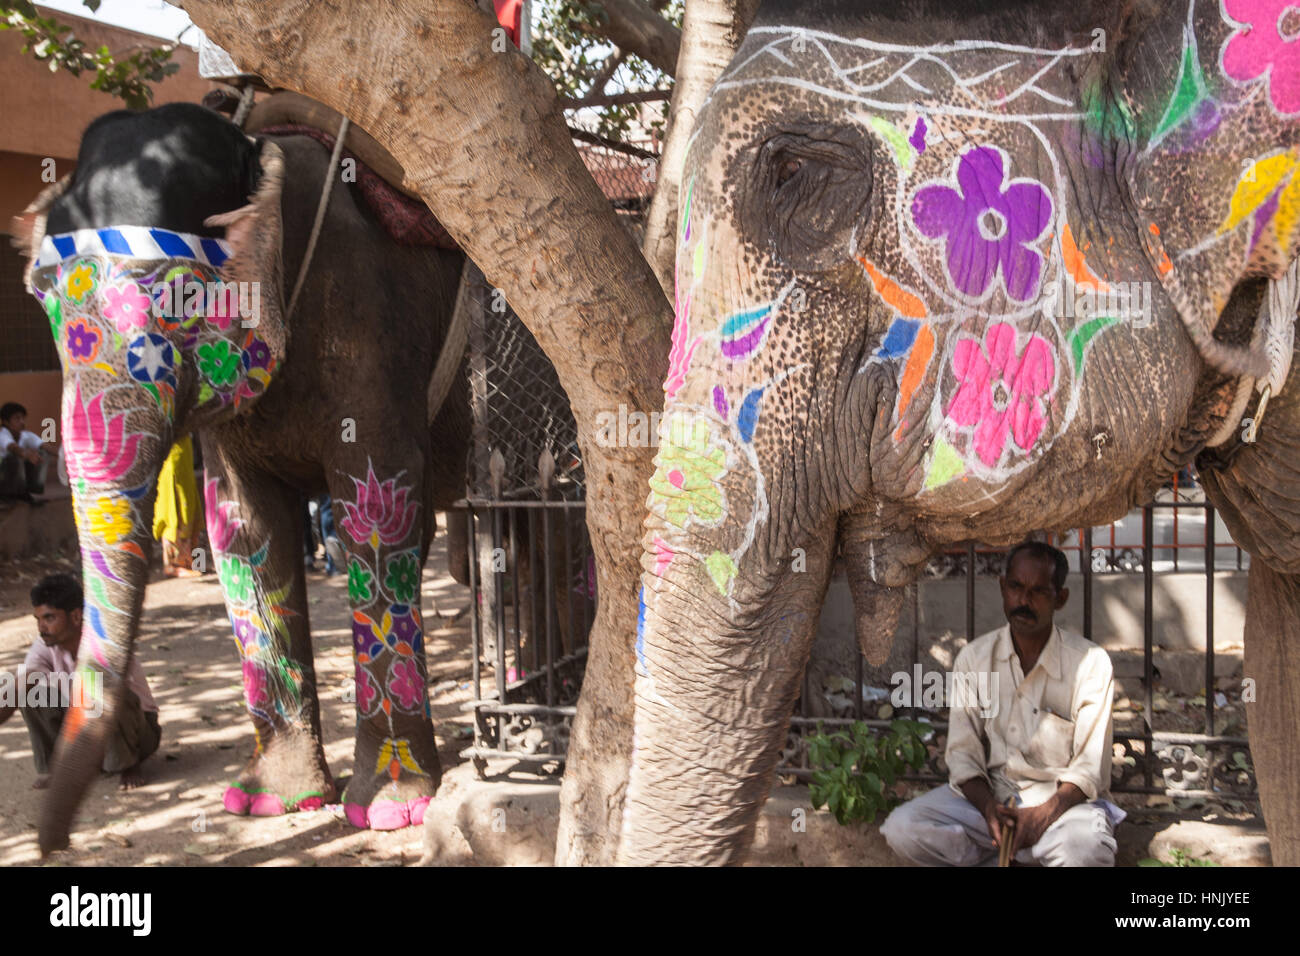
1024,612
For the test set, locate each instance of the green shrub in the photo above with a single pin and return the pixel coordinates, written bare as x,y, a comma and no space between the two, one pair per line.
854,770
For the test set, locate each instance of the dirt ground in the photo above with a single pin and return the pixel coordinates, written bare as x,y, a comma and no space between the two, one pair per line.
191,662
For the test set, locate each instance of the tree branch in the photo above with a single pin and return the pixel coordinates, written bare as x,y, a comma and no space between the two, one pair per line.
617,99
635,27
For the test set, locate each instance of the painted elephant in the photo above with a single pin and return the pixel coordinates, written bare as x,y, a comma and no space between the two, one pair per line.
951,271
160,264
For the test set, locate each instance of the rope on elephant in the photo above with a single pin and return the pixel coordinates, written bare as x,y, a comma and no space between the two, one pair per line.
321,207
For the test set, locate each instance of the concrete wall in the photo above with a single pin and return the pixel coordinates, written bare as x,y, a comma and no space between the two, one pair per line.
933,623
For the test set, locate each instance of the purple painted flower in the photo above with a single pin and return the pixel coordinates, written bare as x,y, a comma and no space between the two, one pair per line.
987,225
365,640
403,630
257,355
83,341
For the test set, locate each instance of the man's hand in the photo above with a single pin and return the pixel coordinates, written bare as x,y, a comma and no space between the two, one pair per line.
977,791
1032,822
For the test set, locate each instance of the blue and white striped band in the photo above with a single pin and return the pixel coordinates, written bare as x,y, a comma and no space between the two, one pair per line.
133,242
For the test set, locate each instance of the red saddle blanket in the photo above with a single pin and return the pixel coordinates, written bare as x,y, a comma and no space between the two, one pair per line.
407,221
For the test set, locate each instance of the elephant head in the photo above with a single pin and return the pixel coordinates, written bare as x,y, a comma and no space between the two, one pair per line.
945,272
162,324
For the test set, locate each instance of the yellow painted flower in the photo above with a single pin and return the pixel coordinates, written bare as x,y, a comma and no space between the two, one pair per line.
80,281
686,483
394,755
110,519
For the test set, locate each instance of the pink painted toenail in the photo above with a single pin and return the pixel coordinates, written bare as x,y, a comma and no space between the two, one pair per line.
417,808
356,815
266,805
236,801
311,803
389,815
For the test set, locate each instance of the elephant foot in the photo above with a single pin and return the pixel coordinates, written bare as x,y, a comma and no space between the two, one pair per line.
405,777
289,775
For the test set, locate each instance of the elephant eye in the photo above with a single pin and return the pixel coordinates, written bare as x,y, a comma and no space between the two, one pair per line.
804,190
787,171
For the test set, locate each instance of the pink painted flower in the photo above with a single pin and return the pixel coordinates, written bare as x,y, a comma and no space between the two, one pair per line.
405,684
1000,391
366,691
98,447
255,693
126,305
1267,43
381,510
221,520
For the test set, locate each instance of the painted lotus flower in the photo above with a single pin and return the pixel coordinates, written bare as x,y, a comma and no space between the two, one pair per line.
1001,391
82,343
405,685
381,513
81,281
221,520
98,448
1267,43
127,306
682,351
110,518
686,480
987,224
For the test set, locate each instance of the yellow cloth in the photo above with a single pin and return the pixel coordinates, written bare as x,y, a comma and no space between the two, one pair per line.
177,504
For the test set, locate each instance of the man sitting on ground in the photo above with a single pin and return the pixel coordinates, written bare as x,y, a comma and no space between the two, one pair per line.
1040,761
23,461
57,604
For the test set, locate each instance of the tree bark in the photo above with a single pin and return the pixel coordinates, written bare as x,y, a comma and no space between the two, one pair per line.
635,27
479,135
711,33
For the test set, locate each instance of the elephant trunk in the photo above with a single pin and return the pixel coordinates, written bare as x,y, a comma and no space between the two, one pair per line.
715,689
114,524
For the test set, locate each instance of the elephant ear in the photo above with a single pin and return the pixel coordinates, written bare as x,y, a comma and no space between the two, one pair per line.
28,227
255,234
1212,107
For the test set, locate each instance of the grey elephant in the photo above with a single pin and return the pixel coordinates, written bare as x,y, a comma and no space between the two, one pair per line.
160,263
953,271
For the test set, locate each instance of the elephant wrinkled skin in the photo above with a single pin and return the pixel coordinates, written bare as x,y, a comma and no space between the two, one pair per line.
948,272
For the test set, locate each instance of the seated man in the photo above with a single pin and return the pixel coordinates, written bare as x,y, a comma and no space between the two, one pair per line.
23,461
1039,756
57,603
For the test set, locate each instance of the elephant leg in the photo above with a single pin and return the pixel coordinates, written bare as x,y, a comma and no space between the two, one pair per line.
255,529
1273,663
377,509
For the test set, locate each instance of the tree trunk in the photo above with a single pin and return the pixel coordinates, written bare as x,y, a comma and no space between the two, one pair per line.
711,32
479,135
